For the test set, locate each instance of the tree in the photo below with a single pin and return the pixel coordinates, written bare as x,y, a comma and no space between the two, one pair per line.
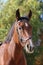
9,9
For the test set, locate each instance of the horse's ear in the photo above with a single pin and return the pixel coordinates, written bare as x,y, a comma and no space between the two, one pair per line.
17,14
30,14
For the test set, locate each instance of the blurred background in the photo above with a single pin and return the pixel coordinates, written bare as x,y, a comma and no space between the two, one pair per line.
7,17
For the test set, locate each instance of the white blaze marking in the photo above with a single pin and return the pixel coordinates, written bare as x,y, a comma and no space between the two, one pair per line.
31,44
26,24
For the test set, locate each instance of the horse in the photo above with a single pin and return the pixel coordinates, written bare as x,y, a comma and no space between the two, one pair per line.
19,38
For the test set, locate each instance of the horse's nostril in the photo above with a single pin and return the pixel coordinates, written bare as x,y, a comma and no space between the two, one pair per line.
30,48
27,46
21,39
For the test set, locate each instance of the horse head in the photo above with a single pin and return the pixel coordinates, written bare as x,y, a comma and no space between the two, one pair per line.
23,32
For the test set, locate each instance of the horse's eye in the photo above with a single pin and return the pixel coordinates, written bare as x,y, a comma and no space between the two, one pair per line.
20,28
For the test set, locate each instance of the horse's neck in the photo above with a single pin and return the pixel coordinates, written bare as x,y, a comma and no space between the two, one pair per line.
14,49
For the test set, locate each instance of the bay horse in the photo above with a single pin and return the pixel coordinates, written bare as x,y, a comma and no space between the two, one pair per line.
19,38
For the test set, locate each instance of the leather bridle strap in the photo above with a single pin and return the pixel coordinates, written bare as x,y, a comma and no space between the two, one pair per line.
20,38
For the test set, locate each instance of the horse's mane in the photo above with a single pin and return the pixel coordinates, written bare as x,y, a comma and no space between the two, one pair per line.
10,34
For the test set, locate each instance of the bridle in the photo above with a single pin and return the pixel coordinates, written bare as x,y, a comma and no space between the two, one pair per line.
20,39
26,41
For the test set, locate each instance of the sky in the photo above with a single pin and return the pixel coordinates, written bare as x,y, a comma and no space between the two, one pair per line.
40,0
4,1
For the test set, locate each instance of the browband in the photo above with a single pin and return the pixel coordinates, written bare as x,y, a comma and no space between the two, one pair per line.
21,18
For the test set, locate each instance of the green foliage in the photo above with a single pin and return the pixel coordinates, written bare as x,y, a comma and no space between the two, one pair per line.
7,15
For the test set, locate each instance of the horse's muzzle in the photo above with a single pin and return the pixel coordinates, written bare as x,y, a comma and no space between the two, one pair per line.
29,47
